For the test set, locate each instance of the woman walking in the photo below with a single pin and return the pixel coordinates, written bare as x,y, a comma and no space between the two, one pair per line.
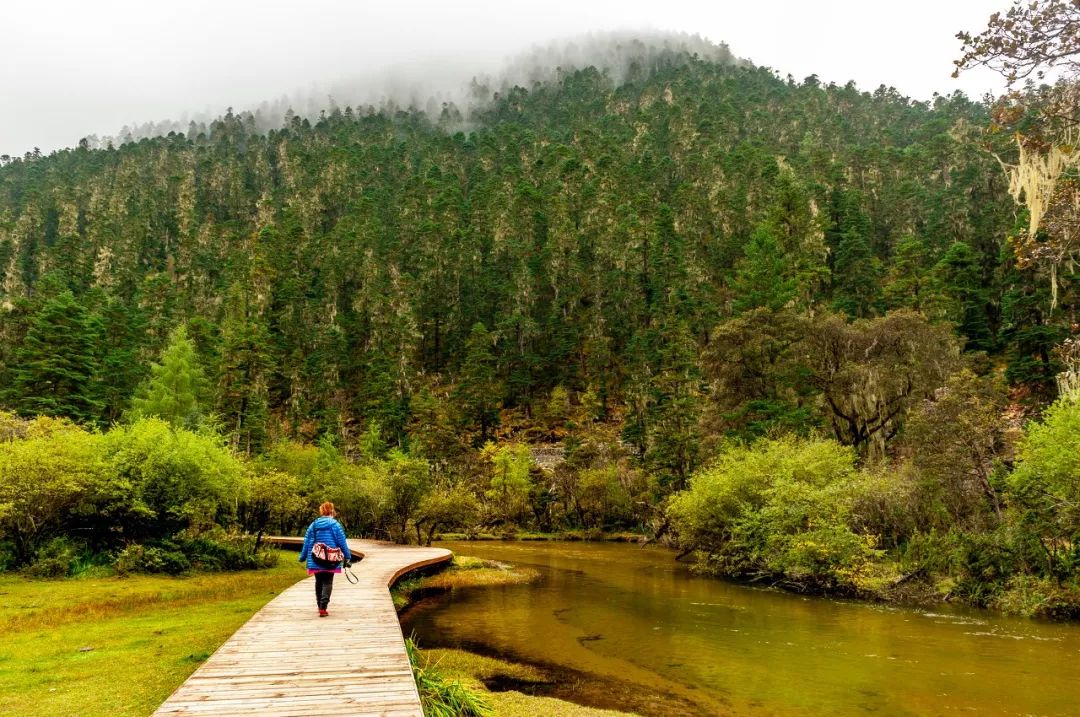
325,548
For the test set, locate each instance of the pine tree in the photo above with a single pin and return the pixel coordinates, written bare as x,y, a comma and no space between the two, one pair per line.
674,437
242,375
760,280
962,281
57,367
910,284
478,394
176,389
856,271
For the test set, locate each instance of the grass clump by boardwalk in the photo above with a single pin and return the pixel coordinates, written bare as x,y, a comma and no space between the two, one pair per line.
119,646
474,672
464,571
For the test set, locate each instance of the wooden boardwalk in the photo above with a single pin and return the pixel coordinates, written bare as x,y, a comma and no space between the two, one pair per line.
286,660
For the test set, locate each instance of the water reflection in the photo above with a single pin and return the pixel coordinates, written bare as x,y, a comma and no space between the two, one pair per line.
620,614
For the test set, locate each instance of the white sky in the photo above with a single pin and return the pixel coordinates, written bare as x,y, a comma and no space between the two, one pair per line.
69,68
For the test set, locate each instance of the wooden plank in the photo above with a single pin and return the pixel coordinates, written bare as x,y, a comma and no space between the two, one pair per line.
288,661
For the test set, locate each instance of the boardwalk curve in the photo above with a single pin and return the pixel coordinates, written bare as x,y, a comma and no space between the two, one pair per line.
286,660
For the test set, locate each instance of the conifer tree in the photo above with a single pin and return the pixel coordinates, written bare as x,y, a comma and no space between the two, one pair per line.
478,394
56,369
176,389
760,280
242,375
962,282
856,271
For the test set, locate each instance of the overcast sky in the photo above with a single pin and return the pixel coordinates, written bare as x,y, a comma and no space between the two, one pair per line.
70,68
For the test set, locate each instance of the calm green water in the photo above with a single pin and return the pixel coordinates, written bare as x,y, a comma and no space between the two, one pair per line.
633,622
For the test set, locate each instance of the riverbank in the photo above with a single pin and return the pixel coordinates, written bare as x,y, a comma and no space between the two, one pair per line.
120,646
503,684
886,583
571,536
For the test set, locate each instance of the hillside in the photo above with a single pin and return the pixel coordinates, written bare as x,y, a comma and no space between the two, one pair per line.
330,270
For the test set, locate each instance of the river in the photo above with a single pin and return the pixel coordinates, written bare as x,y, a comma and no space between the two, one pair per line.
630,628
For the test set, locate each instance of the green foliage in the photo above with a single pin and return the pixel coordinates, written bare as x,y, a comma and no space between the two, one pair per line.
510,485
445,508
954,440
57,366
181,478
440,697
137,558
176,388
1047,482
760,280
478,394
271,499
780,509
47,480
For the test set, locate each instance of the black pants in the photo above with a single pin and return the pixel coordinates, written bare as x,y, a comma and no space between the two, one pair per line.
324,583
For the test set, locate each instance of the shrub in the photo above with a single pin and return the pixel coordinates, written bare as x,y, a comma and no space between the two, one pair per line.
54,559
182,478
49,476
777,508
137,558
218,550
1039,597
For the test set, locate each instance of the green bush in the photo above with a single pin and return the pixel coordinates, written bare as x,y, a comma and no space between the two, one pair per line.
1039,597
166,558
49,474
54,559
218,550
778,509
182,478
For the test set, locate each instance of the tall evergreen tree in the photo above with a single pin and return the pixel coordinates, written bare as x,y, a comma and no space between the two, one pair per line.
242,375
478,394
856,271
57,367
760,278
962,282
176,389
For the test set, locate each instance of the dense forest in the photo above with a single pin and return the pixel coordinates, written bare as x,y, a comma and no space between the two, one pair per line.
777,321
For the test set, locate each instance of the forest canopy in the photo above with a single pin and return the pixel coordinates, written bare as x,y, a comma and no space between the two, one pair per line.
792,326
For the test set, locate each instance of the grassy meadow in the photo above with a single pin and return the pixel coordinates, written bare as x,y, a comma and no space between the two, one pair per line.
119,646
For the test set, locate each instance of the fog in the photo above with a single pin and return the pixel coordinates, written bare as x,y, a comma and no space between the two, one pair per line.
71,68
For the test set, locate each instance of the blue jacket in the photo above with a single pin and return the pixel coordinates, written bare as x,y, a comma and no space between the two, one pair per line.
323,529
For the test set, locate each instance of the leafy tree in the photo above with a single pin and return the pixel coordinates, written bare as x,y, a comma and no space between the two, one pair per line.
510,484
272,498
443,508
183,479
46,476
871,372
407,481
757,379
1045,481
777,508
954,440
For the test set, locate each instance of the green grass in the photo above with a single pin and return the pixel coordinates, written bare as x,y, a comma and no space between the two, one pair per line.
471,669
464,571
119,646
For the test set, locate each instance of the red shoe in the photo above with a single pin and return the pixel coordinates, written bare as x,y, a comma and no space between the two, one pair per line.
323,613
